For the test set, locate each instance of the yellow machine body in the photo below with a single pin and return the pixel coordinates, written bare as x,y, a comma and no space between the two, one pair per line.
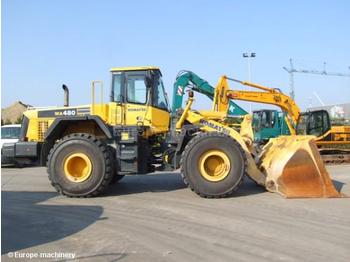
154,119
112,113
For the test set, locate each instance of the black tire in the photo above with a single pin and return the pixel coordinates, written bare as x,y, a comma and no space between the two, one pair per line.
204,142
116,179
101,161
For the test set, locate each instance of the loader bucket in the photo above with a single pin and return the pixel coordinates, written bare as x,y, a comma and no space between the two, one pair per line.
294,168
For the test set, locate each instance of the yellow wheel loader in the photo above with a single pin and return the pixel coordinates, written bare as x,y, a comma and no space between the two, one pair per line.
86,148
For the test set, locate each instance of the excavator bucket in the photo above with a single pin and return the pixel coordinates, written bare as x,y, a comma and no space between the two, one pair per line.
294,168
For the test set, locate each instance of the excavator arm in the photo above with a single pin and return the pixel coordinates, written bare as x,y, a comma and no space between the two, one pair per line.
271,96
189,79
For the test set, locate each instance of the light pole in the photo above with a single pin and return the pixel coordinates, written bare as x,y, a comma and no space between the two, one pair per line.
249,56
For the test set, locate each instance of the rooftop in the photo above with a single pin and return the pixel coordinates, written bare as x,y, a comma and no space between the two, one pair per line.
134,68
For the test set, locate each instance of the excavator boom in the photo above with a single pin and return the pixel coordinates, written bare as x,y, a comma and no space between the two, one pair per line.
189,79
268,95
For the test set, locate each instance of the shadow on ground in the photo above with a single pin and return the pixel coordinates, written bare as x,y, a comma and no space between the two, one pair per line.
165,182
338,185
26,222
134,184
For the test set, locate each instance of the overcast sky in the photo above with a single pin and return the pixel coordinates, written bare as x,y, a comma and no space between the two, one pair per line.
48,43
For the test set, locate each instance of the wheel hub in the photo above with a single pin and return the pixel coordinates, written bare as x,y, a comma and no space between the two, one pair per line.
77,167
214,165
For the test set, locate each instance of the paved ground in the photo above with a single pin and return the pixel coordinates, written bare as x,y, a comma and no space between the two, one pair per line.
155,218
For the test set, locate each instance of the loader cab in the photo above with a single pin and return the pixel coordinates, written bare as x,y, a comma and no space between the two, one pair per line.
315,123
138,98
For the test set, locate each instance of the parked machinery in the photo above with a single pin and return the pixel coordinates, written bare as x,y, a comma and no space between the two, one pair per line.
332,141
85,148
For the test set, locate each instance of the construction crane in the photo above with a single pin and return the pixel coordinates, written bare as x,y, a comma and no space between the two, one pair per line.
292,70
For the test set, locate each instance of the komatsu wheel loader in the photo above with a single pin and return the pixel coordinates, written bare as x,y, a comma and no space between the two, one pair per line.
86,148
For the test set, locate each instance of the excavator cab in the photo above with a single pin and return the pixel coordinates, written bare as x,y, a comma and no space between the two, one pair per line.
268,123
315,123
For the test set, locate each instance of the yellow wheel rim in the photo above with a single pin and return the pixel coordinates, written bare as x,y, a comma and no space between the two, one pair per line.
214,165
77,167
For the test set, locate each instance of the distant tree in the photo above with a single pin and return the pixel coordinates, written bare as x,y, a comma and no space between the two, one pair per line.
18,120
7,122
2,122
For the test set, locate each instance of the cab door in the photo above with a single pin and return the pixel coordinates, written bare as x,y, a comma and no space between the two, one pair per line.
116,106
137,99
129,98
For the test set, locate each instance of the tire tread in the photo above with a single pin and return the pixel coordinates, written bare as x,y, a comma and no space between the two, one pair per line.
186,151
109,172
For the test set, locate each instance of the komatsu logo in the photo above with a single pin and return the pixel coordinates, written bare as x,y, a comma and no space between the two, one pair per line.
214,126
136,109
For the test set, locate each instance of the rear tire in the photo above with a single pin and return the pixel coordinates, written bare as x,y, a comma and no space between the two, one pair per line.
80,165
213,165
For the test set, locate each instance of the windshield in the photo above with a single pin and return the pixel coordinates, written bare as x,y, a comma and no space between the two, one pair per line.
263,119
314,123
302,125
257,121
159,96
10,132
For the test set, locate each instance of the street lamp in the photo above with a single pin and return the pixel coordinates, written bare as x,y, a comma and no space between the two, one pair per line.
249,56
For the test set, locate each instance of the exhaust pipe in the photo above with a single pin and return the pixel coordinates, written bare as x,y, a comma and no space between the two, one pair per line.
66,95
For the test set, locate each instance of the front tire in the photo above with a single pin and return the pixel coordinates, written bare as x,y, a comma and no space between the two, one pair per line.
80,165
213,165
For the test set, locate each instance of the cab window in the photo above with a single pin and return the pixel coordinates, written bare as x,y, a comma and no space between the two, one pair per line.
159,96
316,124
273,116
266,119
326,122
302,125
116,85
257,121
136,89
